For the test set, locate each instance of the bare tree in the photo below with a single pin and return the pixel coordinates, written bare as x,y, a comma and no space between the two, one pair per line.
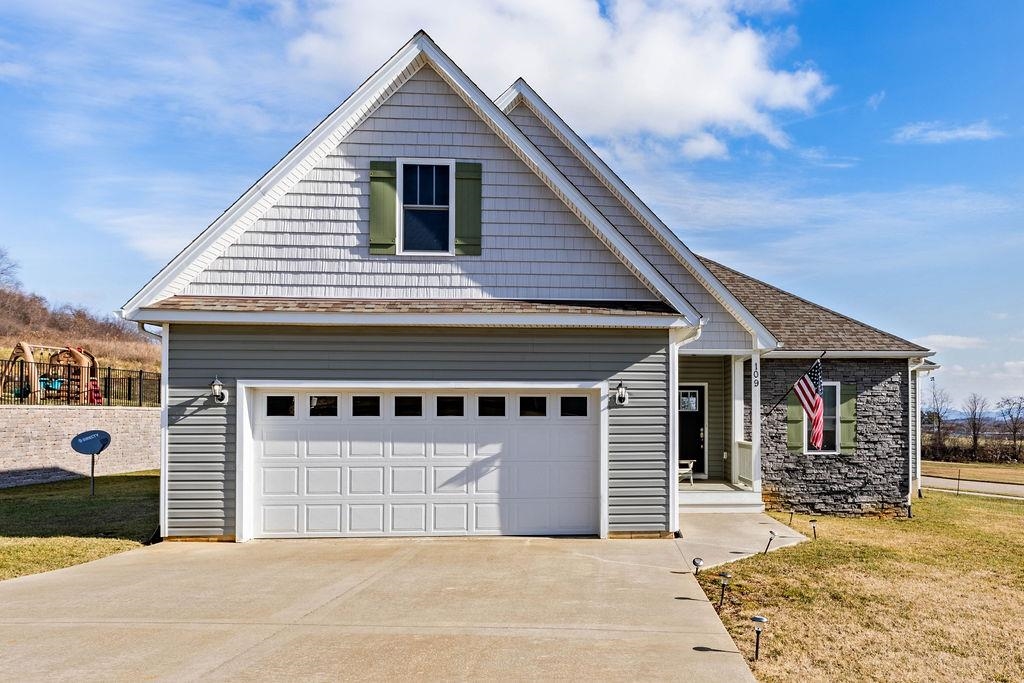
8,271
1011,410
974,408
940,406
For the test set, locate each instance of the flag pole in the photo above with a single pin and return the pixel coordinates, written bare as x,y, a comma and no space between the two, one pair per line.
779,402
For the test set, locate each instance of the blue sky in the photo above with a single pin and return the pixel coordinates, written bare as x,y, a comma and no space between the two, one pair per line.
865,155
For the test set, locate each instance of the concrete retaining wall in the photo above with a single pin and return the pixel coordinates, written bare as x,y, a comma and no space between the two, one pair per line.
35,442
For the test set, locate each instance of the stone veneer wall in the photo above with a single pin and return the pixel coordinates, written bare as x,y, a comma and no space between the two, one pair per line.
875,478
35,442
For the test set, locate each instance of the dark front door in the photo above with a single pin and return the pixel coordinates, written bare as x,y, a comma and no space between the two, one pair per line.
691,426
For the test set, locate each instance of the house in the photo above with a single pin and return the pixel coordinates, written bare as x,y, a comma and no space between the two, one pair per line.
442,314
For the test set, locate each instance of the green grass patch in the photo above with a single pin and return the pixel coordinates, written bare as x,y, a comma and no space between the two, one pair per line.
49,526
934,597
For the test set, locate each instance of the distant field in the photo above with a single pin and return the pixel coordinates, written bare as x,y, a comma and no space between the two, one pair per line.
1009,473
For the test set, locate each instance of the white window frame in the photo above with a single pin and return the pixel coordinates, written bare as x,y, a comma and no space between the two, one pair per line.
839,447
400,213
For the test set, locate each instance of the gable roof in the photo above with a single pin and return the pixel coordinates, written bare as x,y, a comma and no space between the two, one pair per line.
520,92
804,326
419,51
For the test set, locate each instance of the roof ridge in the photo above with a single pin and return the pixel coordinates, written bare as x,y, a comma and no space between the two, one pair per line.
861,323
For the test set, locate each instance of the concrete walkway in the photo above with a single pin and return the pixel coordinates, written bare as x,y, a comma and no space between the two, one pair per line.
991,488
371,609
720,538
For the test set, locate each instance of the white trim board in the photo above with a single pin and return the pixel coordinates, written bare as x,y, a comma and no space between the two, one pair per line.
244,416
419,51
521,92
165,345
155,315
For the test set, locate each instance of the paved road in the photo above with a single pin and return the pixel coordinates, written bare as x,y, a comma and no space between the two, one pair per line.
370,609
1015,490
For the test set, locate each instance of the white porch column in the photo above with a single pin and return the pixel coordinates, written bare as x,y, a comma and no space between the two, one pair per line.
737,416
755,417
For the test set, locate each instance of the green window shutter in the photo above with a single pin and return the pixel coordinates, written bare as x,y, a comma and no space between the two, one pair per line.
848,418
467,208
383,203
794,424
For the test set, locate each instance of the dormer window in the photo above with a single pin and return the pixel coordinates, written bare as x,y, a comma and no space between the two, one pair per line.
427,214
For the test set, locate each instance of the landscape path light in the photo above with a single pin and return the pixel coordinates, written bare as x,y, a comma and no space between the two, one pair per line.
771,537
725,576
814,528
759,623
697,564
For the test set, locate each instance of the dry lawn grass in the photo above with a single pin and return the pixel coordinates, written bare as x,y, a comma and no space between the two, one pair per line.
1003,473
938,597
50,526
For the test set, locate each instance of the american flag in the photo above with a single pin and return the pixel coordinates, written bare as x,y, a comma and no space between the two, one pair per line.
808,391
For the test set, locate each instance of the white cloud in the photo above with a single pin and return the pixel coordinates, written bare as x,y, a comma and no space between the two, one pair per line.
937,133
875,100
1014,368
704,146
947,342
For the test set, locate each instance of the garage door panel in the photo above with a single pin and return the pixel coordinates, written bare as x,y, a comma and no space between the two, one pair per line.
408,480
323,519
366,480
379,476
323,481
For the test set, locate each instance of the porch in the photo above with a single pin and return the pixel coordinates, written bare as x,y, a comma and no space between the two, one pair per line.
717,424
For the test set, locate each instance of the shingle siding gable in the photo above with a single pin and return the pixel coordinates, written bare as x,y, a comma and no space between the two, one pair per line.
721,329
314,241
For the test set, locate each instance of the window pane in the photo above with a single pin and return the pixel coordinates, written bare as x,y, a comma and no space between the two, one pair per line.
830,429
280,406
574,406
366,406
410,184
323,406
425,230
829,394
441,185
426,185
491,406
828,440
450,406
408,406
533,406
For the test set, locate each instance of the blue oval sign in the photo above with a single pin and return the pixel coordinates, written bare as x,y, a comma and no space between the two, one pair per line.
92,442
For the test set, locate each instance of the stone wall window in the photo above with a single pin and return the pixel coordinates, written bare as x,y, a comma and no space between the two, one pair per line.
830,441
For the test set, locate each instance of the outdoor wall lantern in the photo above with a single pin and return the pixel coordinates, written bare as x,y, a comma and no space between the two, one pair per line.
697,564
759,623
621,395
220,394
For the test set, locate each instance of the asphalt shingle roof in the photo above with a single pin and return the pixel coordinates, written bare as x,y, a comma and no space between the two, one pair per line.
801,325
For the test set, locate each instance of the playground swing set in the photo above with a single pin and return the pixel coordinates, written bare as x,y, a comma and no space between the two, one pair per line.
51,373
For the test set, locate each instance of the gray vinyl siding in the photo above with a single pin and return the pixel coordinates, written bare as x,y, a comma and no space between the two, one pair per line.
721,331
716,372
314,242
201,454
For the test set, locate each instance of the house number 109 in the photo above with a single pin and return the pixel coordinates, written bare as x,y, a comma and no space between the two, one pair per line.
755,374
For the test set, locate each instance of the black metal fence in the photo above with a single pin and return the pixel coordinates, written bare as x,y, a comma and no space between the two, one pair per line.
26,383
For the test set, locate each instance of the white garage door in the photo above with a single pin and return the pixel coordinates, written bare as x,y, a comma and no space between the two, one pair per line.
407,463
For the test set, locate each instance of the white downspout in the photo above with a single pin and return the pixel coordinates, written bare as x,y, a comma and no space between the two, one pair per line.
677,339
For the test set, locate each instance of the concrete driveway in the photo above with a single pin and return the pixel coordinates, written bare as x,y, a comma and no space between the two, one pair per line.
370,609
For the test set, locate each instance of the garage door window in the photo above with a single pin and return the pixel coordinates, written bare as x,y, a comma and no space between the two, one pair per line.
490,406
408,406
533,406
280,406
574,406
451,406
323,406
366,406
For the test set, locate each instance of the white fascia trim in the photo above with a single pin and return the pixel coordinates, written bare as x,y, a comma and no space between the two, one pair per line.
847,354
277,181
326,136
520,91
411,319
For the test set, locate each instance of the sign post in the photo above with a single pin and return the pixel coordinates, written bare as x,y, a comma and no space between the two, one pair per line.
91,443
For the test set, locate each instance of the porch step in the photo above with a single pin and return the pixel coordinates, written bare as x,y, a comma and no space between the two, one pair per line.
691,501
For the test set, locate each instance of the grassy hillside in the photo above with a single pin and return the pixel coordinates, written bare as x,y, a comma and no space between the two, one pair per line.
114,342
